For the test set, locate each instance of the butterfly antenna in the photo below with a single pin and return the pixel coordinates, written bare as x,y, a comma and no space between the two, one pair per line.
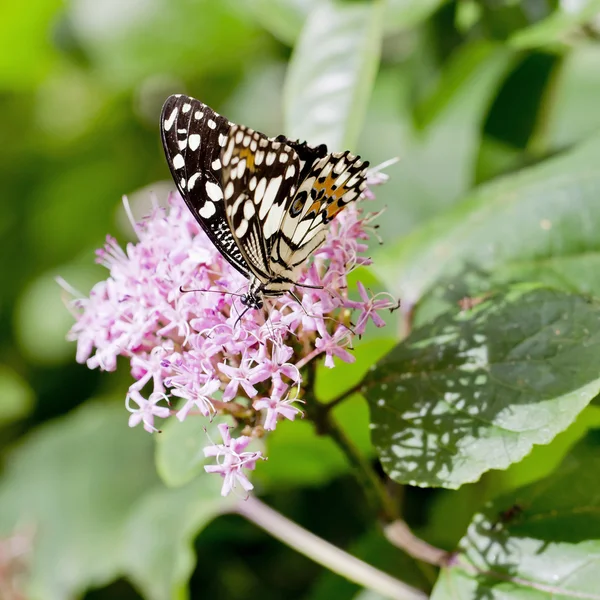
240,316
184,291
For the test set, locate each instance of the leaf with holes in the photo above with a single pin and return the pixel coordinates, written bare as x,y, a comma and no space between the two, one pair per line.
542,541
475,390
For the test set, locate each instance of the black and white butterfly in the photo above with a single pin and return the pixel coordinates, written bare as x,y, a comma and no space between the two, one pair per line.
264,202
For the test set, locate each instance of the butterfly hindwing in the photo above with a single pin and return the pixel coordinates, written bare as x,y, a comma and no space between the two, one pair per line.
193,137
332,182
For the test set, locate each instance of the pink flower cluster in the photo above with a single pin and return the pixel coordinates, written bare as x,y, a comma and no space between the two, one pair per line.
189,345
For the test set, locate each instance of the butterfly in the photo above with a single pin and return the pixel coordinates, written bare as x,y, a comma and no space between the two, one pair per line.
264,202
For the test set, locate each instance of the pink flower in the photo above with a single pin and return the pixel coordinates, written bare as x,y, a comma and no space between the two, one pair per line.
189,346
231,459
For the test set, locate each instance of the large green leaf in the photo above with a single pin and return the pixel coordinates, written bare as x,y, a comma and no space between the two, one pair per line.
540,542
475,390
445,142
332,71
158,551
548,210
75,481
88,488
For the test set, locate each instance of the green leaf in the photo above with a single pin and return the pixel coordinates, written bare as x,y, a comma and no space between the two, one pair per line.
446,141
332,71
76,482
548,210
178,37
557,25
475,390
404,14
88,487
159,549
16,396
25,33
180,448
540,542
283,18
572,113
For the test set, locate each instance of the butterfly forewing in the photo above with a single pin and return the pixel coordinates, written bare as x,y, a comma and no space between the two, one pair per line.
193,137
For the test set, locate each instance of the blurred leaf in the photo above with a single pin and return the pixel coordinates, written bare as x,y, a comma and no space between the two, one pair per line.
179,448
573,113
16,396
283,18
87,486
332,71
476,390
404,14
548,210
569,15
286,18
76,481
42,319
131,41
28,53
445,143
159,548
540,542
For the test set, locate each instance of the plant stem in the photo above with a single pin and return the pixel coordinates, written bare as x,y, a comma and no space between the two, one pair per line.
373,487
399,534
324,553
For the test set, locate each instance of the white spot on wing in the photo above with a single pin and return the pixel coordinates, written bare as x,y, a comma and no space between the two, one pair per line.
216,164
260,190
273,221
290,171
208,210
194,141
242,228
283,157
212,124
214,191
198,115
192,181
222,140
178,161
270,195
168,123
186,107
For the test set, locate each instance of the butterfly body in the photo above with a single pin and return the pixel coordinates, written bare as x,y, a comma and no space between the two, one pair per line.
264,202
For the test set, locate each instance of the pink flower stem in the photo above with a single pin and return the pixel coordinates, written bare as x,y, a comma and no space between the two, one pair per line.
304,361
324,553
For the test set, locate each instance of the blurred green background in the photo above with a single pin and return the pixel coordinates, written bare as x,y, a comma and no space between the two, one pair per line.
467,90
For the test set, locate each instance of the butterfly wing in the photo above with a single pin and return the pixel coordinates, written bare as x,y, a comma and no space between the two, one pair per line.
331,183
260,177
193,137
